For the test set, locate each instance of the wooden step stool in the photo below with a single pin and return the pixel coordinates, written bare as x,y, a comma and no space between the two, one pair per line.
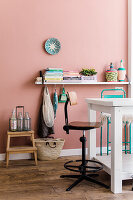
22,149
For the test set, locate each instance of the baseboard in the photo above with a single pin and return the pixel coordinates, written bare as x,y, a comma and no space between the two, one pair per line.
64,152
76,152
18,156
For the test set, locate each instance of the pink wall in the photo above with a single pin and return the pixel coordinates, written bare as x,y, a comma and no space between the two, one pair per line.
91,32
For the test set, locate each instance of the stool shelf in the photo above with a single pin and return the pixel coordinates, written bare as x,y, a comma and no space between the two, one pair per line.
28,149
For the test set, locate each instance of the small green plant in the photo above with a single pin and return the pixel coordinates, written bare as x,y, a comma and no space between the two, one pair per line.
88,72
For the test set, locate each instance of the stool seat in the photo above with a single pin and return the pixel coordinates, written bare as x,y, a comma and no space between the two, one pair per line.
78,125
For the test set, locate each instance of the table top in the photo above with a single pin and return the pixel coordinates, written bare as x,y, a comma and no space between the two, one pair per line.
113,102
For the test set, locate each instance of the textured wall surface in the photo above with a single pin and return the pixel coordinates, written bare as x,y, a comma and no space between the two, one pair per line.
91,32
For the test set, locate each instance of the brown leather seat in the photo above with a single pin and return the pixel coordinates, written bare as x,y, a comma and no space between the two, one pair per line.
77,125
85,124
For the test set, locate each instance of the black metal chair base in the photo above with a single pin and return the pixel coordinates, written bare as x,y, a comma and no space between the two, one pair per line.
81,178
84,169
87,172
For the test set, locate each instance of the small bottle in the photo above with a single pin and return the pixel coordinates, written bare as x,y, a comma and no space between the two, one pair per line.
20,122
13,121
27,122
121,72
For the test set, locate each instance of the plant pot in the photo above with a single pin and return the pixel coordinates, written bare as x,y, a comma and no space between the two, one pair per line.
92,78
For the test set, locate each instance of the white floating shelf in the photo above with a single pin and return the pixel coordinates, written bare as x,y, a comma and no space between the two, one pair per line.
83,83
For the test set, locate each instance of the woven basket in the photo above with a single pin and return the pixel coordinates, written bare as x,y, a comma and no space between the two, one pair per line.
49,149
111,76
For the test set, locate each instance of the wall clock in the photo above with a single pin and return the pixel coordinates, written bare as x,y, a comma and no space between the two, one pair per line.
52,46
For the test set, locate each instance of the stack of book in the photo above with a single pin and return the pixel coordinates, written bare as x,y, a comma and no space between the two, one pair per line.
71,76
53,75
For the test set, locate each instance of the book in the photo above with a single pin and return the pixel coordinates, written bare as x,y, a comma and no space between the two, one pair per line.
53,72
53,78
53,75
71,78
54,69
52,81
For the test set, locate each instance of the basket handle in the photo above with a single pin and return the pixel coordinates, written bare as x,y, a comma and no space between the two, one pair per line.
47,143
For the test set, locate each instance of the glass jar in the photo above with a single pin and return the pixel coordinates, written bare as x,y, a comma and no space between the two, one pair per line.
13,121
27,122
20,122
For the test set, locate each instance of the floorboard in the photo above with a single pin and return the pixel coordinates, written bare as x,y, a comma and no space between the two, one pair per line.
22,180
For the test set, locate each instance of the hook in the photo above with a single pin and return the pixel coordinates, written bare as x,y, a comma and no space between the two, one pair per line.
55,87
45,86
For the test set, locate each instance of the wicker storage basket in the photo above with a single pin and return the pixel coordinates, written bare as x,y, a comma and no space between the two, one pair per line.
49,149
111,76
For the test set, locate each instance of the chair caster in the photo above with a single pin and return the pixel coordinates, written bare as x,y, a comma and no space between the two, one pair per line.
68,189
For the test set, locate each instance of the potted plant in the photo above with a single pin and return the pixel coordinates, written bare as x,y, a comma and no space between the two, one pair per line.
88,74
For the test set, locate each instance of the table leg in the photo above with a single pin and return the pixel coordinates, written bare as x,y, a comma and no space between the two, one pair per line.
92,134
116,150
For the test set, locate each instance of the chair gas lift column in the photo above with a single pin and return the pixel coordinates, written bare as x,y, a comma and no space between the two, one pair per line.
86,168
115,93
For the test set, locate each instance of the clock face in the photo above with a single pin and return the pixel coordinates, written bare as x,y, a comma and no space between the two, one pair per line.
52,46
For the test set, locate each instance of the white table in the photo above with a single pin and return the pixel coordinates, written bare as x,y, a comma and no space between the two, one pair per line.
117,108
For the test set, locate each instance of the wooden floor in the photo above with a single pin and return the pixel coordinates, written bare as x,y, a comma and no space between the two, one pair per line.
25,181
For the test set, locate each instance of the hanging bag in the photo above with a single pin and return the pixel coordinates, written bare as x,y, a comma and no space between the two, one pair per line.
47,109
